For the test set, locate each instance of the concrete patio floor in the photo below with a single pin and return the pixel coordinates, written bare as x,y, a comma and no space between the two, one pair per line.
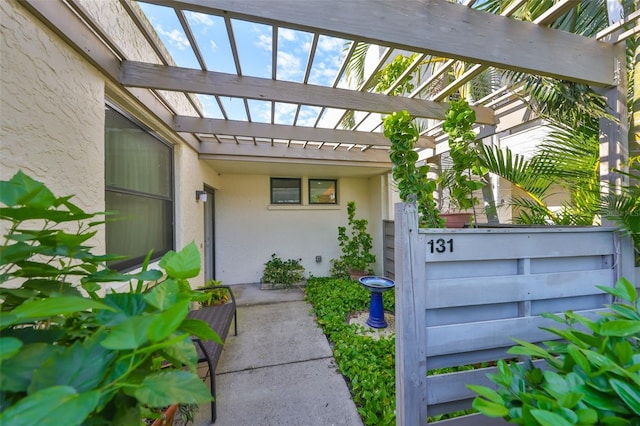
279,370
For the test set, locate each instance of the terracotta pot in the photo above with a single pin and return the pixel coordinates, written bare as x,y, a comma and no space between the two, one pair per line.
167,416
356,274
456,220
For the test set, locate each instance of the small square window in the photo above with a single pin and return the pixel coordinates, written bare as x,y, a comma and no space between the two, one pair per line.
323,191
285,191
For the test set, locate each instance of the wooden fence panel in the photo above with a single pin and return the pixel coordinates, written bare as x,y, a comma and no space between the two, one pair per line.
462,295
388,266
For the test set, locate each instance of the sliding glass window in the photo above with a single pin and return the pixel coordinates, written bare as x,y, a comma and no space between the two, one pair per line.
139,191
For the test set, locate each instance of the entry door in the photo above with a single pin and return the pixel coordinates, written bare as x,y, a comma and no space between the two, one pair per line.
209,235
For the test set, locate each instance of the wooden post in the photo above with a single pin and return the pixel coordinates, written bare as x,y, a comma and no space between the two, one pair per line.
614,136
411,364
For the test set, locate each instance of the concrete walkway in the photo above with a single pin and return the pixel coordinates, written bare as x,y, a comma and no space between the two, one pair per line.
279,370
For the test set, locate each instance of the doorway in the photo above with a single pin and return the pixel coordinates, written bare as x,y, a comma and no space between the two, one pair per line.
209,235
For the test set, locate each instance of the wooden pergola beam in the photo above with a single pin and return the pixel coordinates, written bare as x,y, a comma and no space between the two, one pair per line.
264,151
280,131
435,27
152,76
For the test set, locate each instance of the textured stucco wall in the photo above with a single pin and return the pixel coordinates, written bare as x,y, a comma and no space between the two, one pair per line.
191,174
248,231
51,111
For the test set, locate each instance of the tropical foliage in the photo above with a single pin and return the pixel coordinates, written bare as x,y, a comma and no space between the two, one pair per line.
592,377
464,151
70,355
568,160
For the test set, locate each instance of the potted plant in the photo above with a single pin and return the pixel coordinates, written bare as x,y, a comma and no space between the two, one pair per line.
280,273
411,179
69,351
356,245
458,181
214,296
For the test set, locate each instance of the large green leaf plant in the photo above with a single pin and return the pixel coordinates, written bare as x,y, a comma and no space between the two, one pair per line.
70,355
592,375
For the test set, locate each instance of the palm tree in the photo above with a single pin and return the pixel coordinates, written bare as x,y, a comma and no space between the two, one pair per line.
569,157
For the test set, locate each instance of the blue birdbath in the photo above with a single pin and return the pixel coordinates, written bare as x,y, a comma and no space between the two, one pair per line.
377,286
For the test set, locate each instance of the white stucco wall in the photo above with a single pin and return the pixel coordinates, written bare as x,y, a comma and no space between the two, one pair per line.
249,230
51,112
191,175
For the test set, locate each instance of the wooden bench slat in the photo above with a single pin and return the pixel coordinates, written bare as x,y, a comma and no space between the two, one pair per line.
219,318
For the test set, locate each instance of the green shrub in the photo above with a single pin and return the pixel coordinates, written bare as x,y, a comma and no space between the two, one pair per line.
286,272
339,269
593,376
355,243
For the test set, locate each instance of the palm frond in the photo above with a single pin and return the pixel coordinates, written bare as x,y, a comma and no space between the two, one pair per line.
529,212
570,154
355,66
516,170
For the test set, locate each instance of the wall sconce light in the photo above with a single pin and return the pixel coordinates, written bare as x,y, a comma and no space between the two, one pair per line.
201,196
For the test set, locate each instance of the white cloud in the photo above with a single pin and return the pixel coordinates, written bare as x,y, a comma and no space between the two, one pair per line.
284,113
307,116
201,18
322,73
288,66
287,34
265,42
174,37
214,46
331,44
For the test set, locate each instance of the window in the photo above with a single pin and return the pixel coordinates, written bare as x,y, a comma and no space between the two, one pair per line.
139,191
285,191
323,191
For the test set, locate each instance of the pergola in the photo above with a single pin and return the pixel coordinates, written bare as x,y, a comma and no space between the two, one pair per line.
430,28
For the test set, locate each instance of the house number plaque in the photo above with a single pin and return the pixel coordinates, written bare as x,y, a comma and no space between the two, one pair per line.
440,245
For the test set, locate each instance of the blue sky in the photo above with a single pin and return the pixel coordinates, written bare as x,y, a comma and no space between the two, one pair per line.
254,44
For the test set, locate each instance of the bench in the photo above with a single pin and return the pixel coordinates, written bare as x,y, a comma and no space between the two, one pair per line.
219,318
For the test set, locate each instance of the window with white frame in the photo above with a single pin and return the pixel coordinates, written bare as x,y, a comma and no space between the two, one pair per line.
138,193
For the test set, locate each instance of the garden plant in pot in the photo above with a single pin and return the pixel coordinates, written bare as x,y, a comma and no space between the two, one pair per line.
72,354
458,182
356,244
214,296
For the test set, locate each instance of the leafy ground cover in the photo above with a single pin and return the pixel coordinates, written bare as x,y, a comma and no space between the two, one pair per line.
367,364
